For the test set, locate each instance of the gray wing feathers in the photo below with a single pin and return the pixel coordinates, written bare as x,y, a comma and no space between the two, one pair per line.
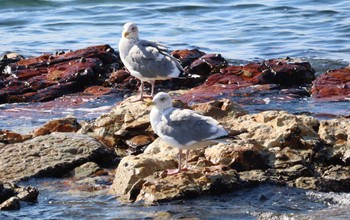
152,59
186,126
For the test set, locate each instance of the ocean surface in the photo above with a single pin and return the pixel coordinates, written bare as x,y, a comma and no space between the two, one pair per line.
316,30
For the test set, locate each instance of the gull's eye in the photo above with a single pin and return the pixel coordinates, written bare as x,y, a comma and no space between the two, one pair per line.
133,28
162,99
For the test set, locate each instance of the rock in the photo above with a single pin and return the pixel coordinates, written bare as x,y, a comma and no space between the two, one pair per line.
279,129
238,156
336,133
222,109
50,156
67,124
7,58
48,76
288,72
206,65
333,85
187,185
131,171
85,170
186,56
253,80
10,204
11,195
123,127
97,90
9,137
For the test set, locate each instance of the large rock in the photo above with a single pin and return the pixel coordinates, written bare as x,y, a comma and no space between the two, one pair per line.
48,156
333,85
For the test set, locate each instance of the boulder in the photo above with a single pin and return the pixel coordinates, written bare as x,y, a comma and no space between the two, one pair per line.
49,156
186,56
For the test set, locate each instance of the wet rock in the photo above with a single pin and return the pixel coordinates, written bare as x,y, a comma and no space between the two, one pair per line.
288,72
67,124
97,90
87,169
9,137
333,85
11,195
206,65
253,81
47,77
49,156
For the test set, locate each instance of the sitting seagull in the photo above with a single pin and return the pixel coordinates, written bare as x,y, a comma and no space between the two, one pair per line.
146,60
183,128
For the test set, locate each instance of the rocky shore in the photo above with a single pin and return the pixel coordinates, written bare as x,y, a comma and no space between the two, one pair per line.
119,150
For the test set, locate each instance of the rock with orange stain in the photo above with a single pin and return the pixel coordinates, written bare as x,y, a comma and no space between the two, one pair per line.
332,86
187,56
9,137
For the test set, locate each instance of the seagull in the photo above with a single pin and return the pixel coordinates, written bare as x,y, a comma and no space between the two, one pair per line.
146,60
183,128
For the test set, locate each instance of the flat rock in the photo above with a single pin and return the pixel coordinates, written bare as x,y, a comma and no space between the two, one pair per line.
49,156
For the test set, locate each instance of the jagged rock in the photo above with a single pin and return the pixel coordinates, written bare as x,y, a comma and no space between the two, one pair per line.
333,85
206,65
50,155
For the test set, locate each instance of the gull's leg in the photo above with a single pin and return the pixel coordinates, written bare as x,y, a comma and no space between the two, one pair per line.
153,82
187,152
178,170
140,98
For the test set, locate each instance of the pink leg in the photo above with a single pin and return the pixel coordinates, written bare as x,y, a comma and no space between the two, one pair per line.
178,170
187,152
152,87
140,98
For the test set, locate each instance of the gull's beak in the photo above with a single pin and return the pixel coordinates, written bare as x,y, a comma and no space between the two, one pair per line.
150,103
125,34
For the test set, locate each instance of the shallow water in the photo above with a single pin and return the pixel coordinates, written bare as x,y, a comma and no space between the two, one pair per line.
57,201
316,30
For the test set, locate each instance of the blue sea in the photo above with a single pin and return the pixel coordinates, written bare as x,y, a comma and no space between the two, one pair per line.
317,31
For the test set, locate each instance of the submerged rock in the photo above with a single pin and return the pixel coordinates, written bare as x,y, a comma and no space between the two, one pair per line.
49,156
11,195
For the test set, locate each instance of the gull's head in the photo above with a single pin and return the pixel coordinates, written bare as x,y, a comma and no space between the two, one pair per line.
130,31
162,101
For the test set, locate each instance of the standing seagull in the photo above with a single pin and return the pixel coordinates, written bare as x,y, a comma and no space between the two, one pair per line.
146,60
183,128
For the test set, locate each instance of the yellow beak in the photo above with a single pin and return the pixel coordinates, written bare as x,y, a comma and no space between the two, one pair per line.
125,34
150,103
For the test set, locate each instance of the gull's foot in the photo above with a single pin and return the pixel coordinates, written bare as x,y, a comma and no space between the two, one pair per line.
175,171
